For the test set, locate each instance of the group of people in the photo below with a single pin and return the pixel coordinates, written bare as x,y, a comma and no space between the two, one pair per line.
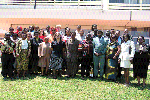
25,50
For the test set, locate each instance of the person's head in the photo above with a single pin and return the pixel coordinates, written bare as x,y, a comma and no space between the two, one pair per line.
46,39
117,33
81,32
68,32
19,28
108,33
88,37
48,28
78,27
95,32
15,35
31,28
28,35
126,31
36,28
11,30
53,30
36,34
24,36
58,27
126,37
99,33
57,35
140,39
42,32
7,36
73,34
113,37
94,26
20,34
112,31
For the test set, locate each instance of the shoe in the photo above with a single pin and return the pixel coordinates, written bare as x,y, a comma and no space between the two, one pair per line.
54,77
82,77
101,77
5,78
12,78
127,85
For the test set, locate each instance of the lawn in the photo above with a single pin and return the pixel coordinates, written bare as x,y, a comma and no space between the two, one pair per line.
38,87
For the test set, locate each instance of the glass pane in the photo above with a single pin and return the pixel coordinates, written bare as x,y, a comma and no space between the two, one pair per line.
146,2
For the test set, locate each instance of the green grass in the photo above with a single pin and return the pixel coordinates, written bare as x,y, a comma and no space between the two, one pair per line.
73,88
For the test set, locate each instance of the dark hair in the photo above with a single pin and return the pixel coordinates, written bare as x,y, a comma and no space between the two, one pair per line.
11,28
142,38
36,32
73,32
99,31
113,36
94,25
66,29
15,34
78,26
128,36
95,32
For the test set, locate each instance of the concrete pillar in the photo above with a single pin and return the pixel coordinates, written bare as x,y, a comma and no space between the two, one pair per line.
105,4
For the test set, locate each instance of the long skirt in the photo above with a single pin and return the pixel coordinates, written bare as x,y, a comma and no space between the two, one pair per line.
140,65
55,62
44,61
22,60
111,69
72,66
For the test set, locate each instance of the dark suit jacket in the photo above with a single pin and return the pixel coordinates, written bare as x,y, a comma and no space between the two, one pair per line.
34,46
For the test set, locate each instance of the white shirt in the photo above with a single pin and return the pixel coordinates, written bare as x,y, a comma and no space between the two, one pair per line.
124,55
77,33
80,38
24,44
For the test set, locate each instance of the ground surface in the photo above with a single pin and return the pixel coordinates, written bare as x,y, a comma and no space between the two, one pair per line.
38,87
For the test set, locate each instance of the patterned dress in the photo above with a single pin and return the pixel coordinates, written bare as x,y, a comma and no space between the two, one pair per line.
72,52
111,64
57,55
22,60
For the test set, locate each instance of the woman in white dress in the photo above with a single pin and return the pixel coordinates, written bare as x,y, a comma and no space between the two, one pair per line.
126,55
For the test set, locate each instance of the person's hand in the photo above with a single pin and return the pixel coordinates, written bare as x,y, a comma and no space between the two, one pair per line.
17,55
119,60
39,56
96,54
28,56
114,57
131,59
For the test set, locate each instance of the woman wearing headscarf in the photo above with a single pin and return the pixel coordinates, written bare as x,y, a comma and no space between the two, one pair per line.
44,53
126,56
112,53
141,61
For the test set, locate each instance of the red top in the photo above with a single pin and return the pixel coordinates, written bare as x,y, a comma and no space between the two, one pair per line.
42,37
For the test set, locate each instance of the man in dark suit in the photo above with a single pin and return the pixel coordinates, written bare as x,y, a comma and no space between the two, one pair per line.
34,51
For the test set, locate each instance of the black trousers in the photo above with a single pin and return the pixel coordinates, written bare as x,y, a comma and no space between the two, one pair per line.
7,64
119,70
85,65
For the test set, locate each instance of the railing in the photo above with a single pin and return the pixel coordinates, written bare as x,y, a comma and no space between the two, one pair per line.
53,3
120,6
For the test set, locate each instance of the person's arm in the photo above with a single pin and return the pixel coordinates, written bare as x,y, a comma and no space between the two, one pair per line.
17,48
132,49
39,50
29,49
118,52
